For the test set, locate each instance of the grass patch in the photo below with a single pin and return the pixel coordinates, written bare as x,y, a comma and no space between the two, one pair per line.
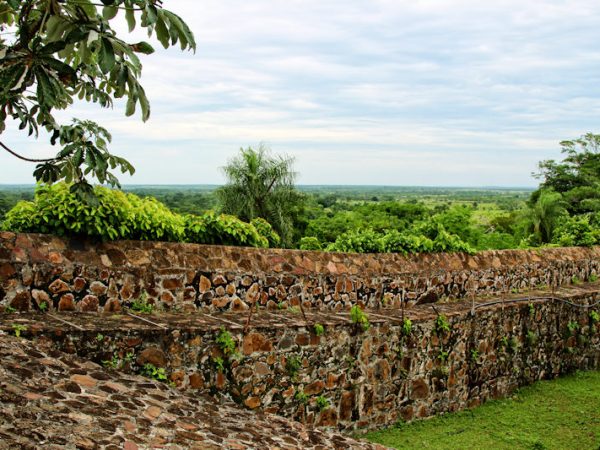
557,414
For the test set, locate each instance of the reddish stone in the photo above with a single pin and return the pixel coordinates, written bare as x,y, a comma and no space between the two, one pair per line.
84,380
303,339
55,258
189,294
419,389
98,288
79,284
112,305
66,303
219,280
221,302
177,377
204,284
126,292
58,286
347,405
172,283
89,303
220,381
41,297
167,297
21,301
314,388
196,381
230,289
256,342
152,412
327,418
238,305
261,369
332,381
252,402
152,355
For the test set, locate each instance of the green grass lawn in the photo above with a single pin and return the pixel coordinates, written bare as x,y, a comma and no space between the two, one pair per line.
560,414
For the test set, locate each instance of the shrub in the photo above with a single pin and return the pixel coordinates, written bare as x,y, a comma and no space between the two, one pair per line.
310,243
577,231
210,228
117,215
394,241
358,241
265,229
322,402
114,215
359,318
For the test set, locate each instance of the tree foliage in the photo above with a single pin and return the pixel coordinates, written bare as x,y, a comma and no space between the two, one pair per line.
261,185
577,176
54,51
119,215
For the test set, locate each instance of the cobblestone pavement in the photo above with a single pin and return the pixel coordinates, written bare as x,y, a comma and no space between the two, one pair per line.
57,401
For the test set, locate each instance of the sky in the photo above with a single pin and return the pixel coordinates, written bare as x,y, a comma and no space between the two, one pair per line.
377,92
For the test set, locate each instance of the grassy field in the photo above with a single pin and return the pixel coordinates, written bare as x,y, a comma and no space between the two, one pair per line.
561,414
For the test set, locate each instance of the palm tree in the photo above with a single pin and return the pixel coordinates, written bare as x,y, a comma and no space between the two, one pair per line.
546,214
261,185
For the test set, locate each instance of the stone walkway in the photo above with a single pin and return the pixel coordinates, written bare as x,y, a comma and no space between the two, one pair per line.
57,401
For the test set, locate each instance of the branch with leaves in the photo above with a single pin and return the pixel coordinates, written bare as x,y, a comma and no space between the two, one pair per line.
54,51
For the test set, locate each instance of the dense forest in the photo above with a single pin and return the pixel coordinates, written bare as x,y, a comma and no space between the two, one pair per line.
564,210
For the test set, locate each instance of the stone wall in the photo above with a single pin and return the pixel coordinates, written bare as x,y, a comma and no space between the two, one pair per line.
345,377
75,275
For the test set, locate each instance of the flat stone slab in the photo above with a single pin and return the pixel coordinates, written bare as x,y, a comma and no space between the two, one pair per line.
58,401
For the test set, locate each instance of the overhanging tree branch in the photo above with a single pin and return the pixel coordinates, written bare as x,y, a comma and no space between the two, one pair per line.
12,152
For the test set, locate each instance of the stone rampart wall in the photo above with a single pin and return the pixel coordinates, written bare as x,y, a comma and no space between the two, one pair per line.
345,377
74,275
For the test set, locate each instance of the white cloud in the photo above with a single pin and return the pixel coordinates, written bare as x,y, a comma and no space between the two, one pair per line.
457,92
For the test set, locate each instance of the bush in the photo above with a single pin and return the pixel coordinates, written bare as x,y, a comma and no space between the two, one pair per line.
577,230
310,243
265,229
393,241
116,215
210,228
358,241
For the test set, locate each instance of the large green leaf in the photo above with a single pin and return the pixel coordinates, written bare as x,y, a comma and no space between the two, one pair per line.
106,56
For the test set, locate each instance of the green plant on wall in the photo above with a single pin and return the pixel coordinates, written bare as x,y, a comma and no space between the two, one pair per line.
141,304
531,338
509,345
443,356
319,329
359,318
18,329
593,278
474,355
441,325
156,373
594,317
9,309
301,397
575,279
293,365
572,328
226,342
113,363
322,402
219,363
406,327
531,308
